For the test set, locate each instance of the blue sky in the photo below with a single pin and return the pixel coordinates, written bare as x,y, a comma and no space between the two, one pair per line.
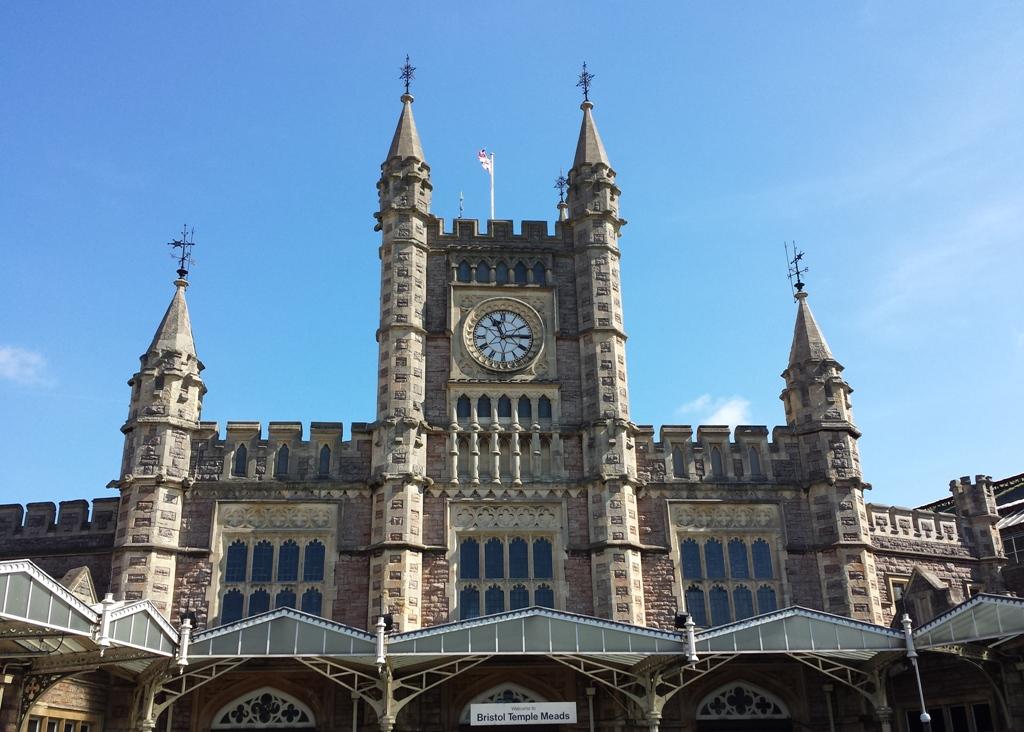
884,138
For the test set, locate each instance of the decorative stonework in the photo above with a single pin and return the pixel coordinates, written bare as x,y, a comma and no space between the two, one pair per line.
278,516
476,516
264,708
739,700
725,516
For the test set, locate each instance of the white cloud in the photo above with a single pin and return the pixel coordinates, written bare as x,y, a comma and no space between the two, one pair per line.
23,366
707,409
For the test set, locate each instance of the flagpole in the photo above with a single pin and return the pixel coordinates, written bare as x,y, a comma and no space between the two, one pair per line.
492,186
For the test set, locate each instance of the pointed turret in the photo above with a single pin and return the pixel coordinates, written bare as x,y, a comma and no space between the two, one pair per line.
406,142
163,418
815,392
808,342
589,148
174,333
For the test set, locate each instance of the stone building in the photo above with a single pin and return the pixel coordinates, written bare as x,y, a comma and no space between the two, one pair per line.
526,541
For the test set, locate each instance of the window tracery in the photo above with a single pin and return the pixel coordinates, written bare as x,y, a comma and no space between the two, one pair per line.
265,707
740,700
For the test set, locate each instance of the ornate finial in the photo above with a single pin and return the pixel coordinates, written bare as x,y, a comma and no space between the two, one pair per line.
584,82
184,245
560,183
408,73
461,202
795,269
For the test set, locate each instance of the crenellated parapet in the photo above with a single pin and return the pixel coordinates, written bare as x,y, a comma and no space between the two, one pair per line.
913,529
286,452
68,518
714,453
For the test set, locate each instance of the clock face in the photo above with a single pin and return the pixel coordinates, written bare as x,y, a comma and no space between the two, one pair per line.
503,339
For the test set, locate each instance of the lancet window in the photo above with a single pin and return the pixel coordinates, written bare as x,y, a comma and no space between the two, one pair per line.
503,572
271,578
727,578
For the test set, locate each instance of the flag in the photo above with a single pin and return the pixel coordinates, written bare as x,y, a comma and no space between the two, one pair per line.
485,162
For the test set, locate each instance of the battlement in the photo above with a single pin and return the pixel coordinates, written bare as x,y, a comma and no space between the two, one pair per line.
497,231
71,518
914,523
245,452
717,453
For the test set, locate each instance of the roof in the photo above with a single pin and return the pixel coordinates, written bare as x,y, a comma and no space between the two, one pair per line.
982,618
809,343
175,330
589,148
406,142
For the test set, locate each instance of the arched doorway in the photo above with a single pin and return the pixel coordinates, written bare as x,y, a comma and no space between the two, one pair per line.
265,708
739,706
506,693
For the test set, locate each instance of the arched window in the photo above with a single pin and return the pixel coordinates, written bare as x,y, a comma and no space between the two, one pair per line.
755,462
469,603
312,601
483,408
483,272
539,276
544,597
263,708
501,273
259,602
518,558
716,463
288,562
158,383
494,559
285,598
743,601
691,560
463,409
238,558
281,464
544,408
504,407
738,568
525,408
766,599
828,391
494,600
324,468
762,554
718,598
313,566
714,559
520,273
739,705
231,607
678,463
542,564
694,598
469,559
241,461
465,272
518,597
262,562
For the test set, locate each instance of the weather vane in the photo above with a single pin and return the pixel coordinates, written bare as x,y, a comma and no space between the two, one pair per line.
184,245
584,82
560,183
408,73
795,268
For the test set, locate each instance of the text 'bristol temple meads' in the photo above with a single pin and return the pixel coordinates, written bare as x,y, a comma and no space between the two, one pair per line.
503,532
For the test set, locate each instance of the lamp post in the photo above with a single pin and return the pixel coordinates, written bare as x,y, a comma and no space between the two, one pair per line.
926,719
684,622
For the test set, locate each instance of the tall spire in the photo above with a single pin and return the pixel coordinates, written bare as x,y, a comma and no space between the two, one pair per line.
809,343
175,330
406,142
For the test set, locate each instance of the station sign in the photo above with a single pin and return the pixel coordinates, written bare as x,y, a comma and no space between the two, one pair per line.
520,713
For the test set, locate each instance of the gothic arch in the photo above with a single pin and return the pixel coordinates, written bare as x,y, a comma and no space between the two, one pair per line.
265,707
504,693
740,699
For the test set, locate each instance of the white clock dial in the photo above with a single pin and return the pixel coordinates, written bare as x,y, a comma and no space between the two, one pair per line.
503,338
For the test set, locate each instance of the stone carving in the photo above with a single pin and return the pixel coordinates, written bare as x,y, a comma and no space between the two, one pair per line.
505,516
725,516
261,709
277,516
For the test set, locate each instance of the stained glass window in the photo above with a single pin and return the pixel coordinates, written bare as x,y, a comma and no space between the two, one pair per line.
714,559
718,598
762,555
691,560
542,564
494,559
231,606
469,559
262,562
238,558
313,566
738,567
743,601
494,600
694,598
469,603
518,558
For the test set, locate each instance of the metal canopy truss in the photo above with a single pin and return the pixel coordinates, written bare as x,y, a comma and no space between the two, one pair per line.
283,632
799,630
171,688
982,618
857,679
